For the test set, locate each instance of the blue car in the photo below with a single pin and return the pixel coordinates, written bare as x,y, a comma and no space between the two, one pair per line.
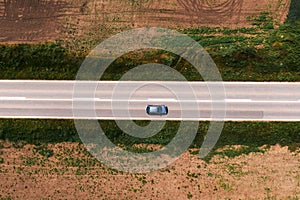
157,110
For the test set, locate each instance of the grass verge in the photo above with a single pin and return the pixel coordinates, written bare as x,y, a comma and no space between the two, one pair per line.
250,136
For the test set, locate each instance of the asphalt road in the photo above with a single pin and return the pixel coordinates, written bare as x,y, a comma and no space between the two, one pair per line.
212,101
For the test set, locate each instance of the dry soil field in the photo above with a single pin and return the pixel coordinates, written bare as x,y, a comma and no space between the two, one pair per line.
67,171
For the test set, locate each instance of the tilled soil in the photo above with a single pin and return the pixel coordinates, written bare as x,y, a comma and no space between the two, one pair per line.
39,21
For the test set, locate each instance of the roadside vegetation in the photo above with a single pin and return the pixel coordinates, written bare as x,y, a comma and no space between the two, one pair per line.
251,137
264,52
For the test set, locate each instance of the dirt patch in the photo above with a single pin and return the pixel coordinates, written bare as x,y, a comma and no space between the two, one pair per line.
43,20
69,172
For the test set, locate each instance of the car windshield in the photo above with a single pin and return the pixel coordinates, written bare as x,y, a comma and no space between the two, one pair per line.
154,109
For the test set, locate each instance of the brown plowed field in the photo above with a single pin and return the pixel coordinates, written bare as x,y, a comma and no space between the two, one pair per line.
43,20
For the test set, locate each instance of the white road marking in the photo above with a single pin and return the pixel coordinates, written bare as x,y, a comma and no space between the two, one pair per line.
238,100
166,99
12,98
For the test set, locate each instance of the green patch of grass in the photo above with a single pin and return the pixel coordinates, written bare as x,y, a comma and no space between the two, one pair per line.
193,175
292,198
200,30
38,61
81,171
6,198
189,195
225,186
251,136
117,136
261,133
231,153
30,161
22,131
235,169
44,151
